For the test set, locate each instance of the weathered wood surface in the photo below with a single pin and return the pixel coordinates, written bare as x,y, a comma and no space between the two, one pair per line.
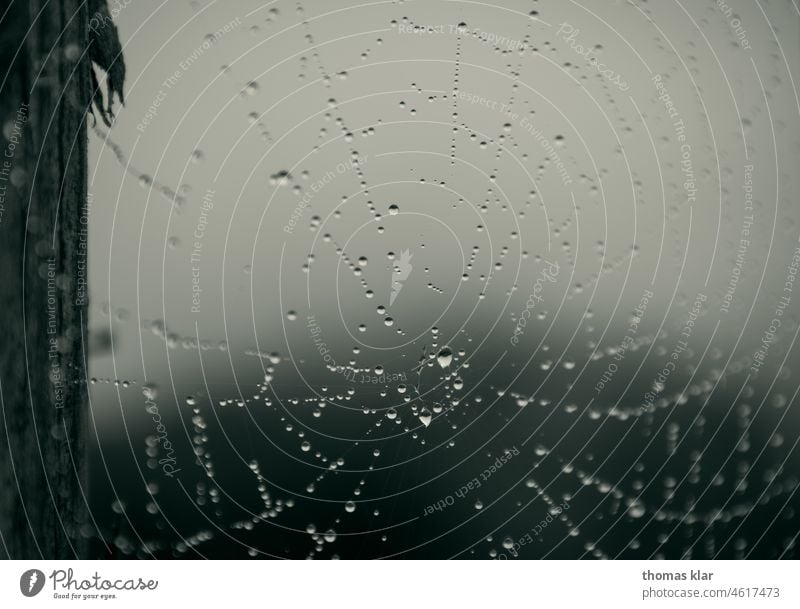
47,80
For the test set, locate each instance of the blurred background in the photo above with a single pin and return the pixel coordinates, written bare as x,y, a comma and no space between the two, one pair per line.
447,280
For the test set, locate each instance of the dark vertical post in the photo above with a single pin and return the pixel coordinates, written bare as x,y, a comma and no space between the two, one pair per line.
45,95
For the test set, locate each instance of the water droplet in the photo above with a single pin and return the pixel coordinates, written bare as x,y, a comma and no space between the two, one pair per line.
282,178
425,417
445,357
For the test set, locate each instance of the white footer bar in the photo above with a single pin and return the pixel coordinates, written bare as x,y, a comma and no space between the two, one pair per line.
406,584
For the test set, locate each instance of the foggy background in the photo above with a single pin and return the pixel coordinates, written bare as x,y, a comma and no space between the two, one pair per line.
281,169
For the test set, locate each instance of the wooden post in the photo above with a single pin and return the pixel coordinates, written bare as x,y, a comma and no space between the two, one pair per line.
45,97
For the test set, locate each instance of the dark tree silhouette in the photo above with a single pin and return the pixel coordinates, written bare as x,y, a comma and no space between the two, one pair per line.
48,86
